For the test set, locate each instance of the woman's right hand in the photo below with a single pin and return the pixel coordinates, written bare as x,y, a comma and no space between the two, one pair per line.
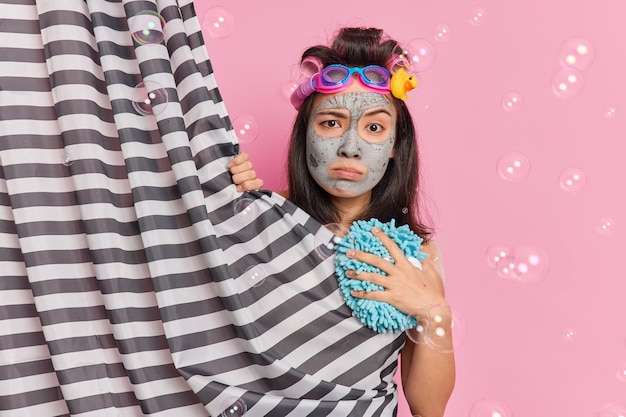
243,173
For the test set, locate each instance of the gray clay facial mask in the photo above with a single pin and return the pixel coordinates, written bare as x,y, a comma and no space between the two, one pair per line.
327,154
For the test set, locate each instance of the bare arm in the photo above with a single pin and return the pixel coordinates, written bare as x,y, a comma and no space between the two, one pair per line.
428,374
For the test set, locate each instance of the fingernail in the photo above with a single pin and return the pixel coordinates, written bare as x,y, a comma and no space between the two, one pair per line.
375,229
350,273
239,188
350,253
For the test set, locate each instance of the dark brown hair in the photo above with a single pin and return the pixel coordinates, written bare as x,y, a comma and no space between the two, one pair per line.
396,195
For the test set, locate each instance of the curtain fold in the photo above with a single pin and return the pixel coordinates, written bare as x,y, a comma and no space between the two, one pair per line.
134,279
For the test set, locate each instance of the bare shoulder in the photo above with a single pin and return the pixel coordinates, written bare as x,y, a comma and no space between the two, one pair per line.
431,247
284,193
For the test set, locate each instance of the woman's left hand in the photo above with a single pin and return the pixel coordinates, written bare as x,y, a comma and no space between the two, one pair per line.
243,173
406,287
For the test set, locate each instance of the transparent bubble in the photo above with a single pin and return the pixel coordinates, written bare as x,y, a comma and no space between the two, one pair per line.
218,22
442,32
477,16
527,263
512,101
246,128
506,267
234,407
147,27
489,408
254,276
573,180
434,327
612,410
289,87
606,226
327,238
567,82
610,112
246,209
620,372
405,210
149,97
569,335
421,54
577,53
513,166
495,253
68,160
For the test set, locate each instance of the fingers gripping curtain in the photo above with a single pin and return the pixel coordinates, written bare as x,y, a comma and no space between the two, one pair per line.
134,279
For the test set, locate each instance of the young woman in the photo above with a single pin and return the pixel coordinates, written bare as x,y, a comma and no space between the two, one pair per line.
353,155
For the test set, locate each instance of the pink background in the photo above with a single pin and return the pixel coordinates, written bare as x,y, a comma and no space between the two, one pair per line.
555,346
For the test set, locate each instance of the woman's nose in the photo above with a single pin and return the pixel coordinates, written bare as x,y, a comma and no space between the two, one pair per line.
350,146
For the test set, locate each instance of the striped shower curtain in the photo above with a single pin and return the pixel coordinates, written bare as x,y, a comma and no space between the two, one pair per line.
134,278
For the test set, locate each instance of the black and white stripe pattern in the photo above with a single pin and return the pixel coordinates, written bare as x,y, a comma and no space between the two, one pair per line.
130,284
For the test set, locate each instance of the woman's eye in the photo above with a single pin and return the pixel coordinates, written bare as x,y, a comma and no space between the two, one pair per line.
375,128
330,123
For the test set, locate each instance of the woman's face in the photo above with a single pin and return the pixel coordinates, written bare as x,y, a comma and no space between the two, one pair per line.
349,141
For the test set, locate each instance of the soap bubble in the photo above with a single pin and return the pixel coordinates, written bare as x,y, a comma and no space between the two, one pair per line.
506,267
442,32
477,16
435,325
488,408
532,263
577,53
606,226
147,27
512,101
234,407
513,166
610,112
68,160
149,97
567,82
254,276
246,128
569,335
218,22
572,180
245,208
526,264
326,242
495,253
421,54
289,87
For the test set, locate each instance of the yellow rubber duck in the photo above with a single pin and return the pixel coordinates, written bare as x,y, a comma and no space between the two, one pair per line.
401,83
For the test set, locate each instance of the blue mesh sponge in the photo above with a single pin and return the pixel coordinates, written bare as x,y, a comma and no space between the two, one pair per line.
377,315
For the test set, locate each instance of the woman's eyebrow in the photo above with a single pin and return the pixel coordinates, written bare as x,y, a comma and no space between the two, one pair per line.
374,112
335,113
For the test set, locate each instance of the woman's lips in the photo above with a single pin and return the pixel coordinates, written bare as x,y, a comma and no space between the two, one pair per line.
346,173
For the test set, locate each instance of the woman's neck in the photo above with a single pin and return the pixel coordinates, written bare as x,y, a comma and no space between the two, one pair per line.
351,208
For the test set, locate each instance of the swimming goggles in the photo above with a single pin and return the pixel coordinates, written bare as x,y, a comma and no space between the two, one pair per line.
335,78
